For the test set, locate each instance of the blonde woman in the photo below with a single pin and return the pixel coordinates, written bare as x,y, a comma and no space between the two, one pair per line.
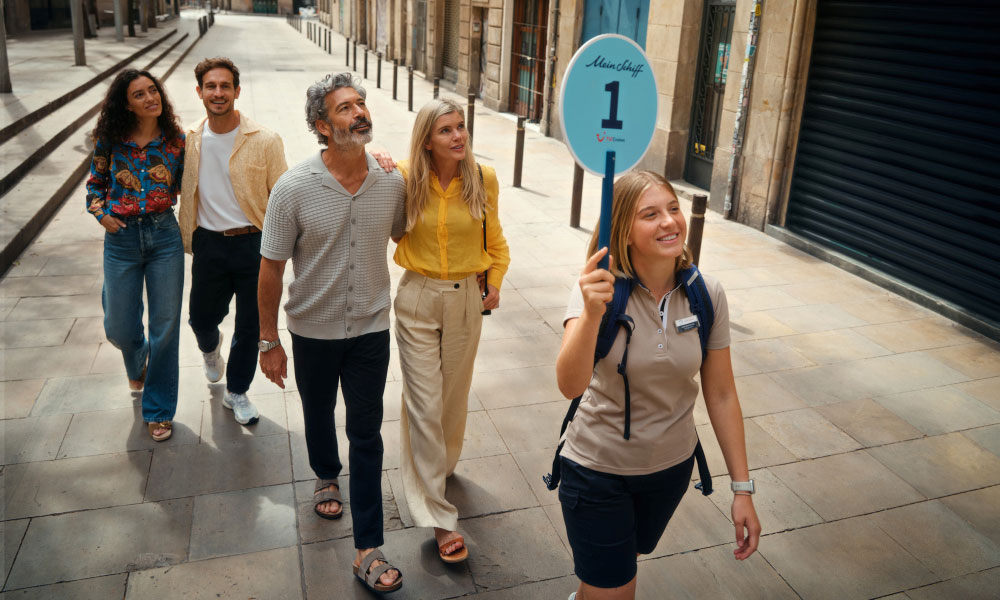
619,490
453,236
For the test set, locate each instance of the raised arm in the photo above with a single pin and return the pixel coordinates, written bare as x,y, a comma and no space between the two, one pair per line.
575,363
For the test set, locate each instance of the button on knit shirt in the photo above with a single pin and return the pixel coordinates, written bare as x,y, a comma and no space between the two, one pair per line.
337,243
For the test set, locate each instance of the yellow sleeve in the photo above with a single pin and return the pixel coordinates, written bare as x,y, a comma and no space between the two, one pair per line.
496,244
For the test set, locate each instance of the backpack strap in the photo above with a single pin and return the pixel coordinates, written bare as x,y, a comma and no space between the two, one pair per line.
700,302
614,317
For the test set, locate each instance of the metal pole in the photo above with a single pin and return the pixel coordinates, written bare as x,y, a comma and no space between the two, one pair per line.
119,34
355,68
347,51
409,102
470,118
76,16
5,86
395,74
577,199
519,152
696,225
437,87
365,52
378,71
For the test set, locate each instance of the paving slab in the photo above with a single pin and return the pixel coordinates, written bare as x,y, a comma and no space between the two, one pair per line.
762,449
947,545
844,560
514,548
941,465
846,485
493,484
19,397
33,438
123,429
243,522
102,542
976,360
979,509
96,588
57,486
806,433
867,421
271,574
710,573
697,523
181,471
940,410
85,393
11,533
976,586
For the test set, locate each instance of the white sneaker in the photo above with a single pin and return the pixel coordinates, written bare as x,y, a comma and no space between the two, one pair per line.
215,367
244,410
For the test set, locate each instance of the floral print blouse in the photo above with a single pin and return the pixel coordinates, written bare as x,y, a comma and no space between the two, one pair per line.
127,180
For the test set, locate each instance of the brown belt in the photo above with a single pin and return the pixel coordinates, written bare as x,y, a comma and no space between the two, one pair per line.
241,231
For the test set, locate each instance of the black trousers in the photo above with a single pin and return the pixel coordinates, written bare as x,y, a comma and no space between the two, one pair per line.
222,267
360,365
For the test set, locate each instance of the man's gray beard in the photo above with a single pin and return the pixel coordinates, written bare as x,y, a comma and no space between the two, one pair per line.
345,139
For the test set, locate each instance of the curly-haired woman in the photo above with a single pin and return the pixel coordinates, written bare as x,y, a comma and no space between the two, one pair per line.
134,180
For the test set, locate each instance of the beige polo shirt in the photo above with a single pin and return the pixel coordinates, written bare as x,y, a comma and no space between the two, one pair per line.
662,364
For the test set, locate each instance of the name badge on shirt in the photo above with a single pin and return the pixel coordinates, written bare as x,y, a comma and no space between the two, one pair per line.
686,324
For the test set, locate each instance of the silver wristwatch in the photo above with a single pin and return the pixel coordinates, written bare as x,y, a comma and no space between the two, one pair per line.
264,346
742,486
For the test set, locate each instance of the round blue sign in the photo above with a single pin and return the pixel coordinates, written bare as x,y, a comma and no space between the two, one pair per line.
608,101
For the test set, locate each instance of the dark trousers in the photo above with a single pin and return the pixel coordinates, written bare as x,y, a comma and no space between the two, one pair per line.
360,365
224,266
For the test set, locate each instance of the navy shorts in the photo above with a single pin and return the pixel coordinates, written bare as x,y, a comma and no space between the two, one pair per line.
610,518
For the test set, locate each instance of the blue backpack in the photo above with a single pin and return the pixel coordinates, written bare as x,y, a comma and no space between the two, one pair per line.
615,317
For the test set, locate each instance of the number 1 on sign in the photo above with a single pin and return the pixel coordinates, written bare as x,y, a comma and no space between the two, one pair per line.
612,122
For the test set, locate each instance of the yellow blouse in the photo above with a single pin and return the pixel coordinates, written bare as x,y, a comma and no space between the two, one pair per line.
447,242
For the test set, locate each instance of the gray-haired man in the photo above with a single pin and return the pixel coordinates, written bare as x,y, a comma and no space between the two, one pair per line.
333,215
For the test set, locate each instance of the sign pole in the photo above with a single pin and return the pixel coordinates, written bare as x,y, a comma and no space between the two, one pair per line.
607,197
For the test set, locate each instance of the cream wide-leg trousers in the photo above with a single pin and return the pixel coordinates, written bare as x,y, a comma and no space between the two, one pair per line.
437,329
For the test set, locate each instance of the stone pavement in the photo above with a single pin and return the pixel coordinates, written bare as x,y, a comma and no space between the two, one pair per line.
872,425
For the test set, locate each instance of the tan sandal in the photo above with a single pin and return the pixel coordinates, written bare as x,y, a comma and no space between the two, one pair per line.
136,385
319,497
455,556
153,426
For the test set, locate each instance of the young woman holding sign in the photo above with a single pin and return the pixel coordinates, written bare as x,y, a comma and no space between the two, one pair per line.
618,492
453,235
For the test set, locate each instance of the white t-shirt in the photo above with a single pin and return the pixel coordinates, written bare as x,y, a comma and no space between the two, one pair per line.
218,209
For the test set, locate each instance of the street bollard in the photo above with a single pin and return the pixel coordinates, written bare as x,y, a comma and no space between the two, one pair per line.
355,67
365,50
437,87
696,225
378,72
519,152
347,51
577,198
395,73
409,102
329,41
470,118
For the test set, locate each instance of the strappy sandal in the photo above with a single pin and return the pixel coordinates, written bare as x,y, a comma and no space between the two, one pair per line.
327,496
455,556
153,426
371,577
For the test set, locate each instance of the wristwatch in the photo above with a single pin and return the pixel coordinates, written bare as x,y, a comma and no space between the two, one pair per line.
742,486
264,345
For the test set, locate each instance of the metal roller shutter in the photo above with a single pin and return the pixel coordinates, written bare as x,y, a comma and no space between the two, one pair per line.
898,159
450,54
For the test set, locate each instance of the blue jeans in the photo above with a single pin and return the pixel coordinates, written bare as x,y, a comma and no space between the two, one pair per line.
148,249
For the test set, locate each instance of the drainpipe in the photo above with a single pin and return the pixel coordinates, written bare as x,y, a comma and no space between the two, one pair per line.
739,129
550,68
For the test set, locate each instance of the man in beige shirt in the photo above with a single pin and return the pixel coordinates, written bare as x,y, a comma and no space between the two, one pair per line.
230,166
